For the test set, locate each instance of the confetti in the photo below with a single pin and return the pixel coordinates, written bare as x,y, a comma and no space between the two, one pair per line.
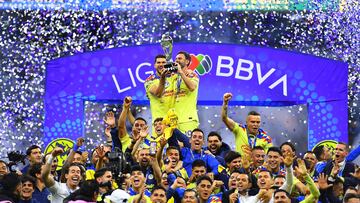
30,38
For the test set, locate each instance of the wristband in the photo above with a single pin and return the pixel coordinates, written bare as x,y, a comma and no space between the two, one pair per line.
50,159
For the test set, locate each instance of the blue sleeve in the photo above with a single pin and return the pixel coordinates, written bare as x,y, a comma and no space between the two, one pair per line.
171,178
178,194
353,154
170,193
212,163
187,160
224,178
115,138
319,167
172,141
182,137
221,160
147,193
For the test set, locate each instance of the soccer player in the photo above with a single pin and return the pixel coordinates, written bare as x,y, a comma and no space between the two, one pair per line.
251,134
159,89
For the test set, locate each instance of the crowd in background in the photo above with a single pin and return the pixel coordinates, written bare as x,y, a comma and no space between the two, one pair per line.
174,161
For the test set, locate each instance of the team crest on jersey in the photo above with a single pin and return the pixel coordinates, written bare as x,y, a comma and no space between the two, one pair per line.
167,84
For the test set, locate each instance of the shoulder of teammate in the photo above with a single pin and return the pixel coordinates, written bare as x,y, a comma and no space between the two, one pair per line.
149,81
241,126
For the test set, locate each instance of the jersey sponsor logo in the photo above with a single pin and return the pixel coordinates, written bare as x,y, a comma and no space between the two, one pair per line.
167,84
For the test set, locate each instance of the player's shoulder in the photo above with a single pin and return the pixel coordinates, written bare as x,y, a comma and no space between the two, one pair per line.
190,73
150,78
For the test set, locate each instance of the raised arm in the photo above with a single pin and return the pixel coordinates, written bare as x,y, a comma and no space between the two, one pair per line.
353,154
156,168
123,116
288,160
109,119
190,84
101,153
224,112
314,191
175,188
177,135
157,90
70,157
108,137
143,134
159,152
49,179
77,145
131,117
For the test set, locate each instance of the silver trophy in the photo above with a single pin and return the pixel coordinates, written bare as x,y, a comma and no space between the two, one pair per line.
167,46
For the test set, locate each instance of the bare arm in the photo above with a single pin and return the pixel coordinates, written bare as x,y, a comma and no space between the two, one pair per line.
157,90
156,168
101,153
131,117
135,147
108,136
188,82
288,160
159,152
143,134
123,116
224,112
77,145
48,179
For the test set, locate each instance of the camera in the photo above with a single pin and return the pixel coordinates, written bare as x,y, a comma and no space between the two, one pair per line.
117,164
171,67
15,158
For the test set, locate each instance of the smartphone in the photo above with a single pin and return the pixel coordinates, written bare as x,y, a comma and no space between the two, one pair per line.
152,148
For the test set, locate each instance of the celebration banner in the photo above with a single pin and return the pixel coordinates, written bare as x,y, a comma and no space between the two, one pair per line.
256,76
